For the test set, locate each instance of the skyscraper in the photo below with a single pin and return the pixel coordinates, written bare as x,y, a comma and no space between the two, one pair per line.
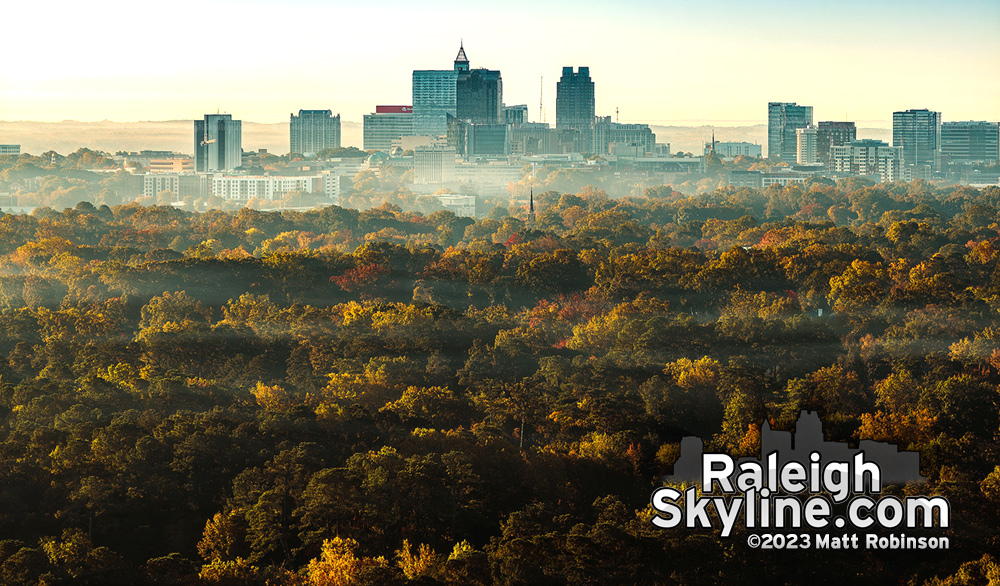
478,94
575,99
575,109
433,101
783,119
472,95
919,133
970,142
314,130
218,143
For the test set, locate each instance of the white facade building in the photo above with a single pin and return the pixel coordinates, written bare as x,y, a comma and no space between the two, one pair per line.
807,146
463,206
734,149
245,188
868,157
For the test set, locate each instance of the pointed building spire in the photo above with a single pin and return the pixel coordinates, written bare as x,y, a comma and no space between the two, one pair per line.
531,210
461,61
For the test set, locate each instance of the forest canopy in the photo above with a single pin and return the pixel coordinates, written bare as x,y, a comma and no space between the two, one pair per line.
386,397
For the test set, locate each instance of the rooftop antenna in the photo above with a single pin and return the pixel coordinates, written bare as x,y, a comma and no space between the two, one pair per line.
616,114
541,98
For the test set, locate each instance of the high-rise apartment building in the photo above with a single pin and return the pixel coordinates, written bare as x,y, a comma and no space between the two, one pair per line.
386,124
830,134
806,151
314,130
783,119
868,157
970,142
919,133
218,143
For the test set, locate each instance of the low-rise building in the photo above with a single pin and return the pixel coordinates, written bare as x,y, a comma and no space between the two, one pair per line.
734,149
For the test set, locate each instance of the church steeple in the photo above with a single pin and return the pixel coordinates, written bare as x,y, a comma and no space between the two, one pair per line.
461,61
531,209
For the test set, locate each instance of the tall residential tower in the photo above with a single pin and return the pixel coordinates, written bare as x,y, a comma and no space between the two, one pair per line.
314,130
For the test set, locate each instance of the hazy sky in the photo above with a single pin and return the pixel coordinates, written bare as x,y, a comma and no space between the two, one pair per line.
659,62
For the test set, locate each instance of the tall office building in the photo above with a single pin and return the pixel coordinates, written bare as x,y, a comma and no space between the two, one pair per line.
478,93
830,134
386,124
575,99
919,133
218,143
314,130
970,142
783,119
575,110
433,101
806,151
607,133
462,93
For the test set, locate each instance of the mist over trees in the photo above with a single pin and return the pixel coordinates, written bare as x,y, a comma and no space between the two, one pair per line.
387,396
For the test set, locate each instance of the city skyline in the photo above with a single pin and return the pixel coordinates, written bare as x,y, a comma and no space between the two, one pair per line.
680,63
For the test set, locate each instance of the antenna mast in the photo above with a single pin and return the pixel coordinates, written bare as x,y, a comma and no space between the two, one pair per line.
541,98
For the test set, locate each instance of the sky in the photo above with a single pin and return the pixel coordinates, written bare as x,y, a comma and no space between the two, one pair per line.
662,62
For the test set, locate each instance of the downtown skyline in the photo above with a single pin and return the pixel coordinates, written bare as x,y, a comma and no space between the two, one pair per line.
655,63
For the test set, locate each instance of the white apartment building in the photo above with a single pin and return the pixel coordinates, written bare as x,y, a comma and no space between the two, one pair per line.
868,157
807,145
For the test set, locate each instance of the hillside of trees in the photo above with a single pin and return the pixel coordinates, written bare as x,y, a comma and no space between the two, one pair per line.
385,397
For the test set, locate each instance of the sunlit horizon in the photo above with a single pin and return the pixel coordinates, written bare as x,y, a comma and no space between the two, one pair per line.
651,62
